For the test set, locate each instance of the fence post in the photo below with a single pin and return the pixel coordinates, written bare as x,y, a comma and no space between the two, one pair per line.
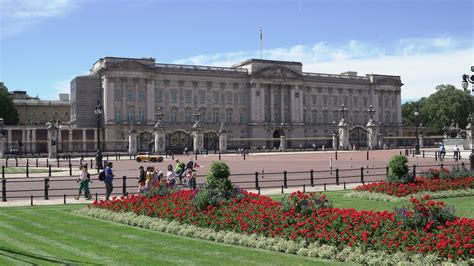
6,162
64,198
281,189
324,186
196,155
362,175
304,188
31,203
92,166
244,155
441,166
344,185
70,169
47,162
219,155
194,183
256,180
336,154
4,188
423,153
16,162
386,171
436,156
400,152
57,160
337,176
462,165
3,171
46,188
414,170
367,155
124,186
285,179
311,174
27,168
49,170
36,162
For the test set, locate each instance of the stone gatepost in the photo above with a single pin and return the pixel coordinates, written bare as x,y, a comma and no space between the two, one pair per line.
2,144
160,143
222,139
372,133
343,134
380,140
132,141
52,140
198,140
421,141
282,143
334,141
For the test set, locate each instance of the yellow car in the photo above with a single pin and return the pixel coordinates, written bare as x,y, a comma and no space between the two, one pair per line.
148,158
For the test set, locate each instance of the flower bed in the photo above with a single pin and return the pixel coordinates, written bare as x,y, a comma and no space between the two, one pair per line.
308,219
421,184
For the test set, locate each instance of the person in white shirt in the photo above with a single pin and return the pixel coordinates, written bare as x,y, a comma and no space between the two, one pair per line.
171,176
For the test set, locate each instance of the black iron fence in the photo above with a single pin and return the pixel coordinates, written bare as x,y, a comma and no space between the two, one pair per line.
63,186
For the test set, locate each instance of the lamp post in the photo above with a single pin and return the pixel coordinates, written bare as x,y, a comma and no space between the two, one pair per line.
98,157
465,83
2,145
371,112
334,127
342,110
197,115
158,117
417,144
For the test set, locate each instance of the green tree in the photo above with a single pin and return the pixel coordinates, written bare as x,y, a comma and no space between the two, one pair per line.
440,108
7,110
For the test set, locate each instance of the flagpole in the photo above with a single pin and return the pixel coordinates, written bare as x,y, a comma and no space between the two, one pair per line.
261,40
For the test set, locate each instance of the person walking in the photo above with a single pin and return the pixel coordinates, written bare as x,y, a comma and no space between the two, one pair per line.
179,170
171,176
84,180
141,179
109,179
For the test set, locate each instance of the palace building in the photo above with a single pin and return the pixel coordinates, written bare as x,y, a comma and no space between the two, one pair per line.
257,101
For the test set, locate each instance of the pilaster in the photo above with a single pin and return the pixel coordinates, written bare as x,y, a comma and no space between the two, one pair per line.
84,139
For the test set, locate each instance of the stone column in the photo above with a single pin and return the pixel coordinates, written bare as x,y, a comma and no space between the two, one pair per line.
272,104
282,104
23,140
95,139
372,133
198,140
108,98
380,140
343,134
53,131
421,141
160,143
223,142
132,142
9,138
70,147
2,145
282,143
27,143
33,140
334,141
292,108
84,139
150,101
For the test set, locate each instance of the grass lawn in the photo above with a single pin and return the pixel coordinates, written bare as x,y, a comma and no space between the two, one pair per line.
31,170
47,235
464,205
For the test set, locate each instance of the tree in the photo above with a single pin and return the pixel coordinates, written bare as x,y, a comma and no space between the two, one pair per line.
7,109
440,108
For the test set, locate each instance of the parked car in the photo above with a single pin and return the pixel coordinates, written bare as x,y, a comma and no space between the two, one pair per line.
145,157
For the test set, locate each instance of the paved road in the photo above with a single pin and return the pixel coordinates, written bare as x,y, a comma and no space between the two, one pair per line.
270,167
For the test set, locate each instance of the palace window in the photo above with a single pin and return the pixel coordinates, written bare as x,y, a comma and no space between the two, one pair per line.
188,96
325,100
202,97
174,96
130,114
229,116
118,119
159,96
188,116
315,99
242,117
173,116
242,99
229,97
215,115
215,97
130,95
118,94
141,95
365,102
141,115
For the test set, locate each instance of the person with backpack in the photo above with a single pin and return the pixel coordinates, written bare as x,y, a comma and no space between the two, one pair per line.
83,181
141,179
179,170
108,180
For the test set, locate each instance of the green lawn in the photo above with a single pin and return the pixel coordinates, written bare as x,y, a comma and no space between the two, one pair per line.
47,235
31,170
464,205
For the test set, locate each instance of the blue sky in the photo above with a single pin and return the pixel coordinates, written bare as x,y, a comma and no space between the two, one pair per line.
44,44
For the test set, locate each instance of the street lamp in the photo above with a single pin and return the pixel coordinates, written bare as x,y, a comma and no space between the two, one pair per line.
334,127
417,144
158,116
465,82
342,110
197,115
371,112
98,157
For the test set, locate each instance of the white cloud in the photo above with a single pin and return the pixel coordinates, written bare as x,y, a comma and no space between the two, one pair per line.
64,85
422,63
19,15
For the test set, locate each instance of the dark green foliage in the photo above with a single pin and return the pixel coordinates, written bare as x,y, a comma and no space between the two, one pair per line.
398,170
218,189
458,172
7,109
305,204
437,111
160,191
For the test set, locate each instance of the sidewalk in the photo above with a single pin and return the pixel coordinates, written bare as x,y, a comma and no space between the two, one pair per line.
38,201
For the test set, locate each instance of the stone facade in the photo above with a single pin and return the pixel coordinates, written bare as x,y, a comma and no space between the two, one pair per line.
33,111
258,100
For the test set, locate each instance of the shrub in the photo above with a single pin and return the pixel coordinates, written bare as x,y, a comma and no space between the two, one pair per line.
458,172
218,189
398,170
305,204
424,213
